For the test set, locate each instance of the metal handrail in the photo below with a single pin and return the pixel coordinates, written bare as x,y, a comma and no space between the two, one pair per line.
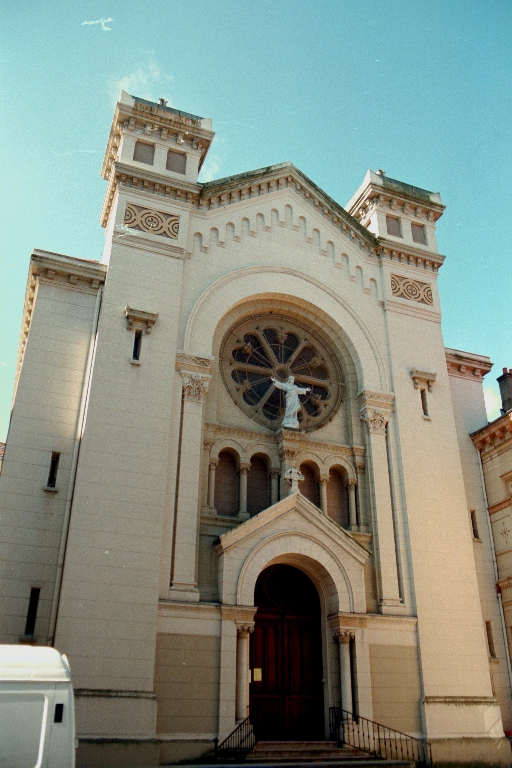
237,745
376,739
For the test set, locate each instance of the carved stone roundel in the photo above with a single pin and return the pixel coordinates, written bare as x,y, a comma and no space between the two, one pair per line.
270,346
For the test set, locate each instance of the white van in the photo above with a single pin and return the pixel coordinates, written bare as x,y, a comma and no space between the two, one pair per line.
37,716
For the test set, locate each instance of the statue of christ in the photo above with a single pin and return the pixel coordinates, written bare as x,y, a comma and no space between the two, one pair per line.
292,392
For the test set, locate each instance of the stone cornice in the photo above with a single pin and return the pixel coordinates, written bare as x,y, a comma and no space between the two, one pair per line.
152,121
385,400
254,184
67,272
465,365
407,255
494,434
150,182
302,442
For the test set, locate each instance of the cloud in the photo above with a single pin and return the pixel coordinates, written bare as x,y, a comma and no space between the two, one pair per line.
492,403
103,23
211,168
146,82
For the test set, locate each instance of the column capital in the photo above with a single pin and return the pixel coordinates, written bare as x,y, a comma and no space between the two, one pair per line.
213,462
244,467
350,482
275,472
243,629
324,478
376,420
343,635
195,385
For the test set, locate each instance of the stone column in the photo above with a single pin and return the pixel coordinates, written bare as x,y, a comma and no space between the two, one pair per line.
363,522
274,487
351,484
344,636
376,419
324,479
242,670
211,482
243,470
183,580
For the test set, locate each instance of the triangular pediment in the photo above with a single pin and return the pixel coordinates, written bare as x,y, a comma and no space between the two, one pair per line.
298,512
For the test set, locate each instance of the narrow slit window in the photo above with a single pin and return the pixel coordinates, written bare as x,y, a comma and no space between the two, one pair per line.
137,343
474,526
30,624
54,466
59,713
393,226
490,639
424,403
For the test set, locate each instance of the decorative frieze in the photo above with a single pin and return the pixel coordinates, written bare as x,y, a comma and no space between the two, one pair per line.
465,365
195,385
150,220
413,290
192,362
384,400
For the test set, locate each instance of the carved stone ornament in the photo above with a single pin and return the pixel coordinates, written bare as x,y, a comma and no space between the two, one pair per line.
375,420
183,357
293,477
343,635
150,220
195,385
423,378
244,629
144,320
414,290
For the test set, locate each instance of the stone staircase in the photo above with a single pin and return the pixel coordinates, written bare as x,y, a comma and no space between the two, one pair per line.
291,752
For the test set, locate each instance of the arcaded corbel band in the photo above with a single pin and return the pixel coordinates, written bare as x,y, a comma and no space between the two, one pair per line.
139,319
195,385
422,378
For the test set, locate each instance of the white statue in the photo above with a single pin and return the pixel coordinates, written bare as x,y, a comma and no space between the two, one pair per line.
292,391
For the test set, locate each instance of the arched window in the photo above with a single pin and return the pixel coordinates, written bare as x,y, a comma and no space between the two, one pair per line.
227,486
337,498
309,486
258,485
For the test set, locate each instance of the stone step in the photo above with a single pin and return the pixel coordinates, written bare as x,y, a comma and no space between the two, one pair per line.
308,752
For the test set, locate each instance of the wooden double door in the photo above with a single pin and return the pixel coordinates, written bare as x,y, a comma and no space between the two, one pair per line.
286,690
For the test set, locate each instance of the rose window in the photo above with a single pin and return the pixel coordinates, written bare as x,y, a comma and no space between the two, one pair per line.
269,346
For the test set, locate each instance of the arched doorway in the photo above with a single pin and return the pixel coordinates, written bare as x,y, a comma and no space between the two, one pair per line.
286,690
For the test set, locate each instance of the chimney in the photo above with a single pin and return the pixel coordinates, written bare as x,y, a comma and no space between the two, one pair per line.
505,382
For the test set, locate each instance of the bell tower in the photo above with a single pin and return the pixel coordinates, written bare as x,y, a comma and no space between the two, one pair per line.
153,158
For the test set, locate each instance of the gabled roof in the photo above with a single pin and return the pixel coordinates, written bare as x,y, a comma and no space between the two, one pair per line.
296,502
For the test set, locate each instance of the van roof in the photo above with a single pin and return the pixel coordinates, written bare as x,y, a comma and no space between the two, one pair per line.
33,662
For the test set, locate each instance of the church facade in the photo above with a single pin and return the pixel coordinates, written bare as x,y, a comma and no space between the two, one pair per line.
197,559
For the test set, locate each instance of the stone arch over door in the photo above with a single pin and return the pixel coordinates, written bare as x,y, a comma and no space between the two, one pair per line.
311,557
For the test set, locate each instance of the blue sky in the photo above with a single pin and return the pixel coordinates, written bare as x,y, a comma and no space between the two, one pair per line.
419,89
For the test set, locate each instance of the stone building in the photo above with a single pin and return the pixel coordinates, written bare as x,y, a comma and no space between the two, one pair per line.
494,442
193,558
